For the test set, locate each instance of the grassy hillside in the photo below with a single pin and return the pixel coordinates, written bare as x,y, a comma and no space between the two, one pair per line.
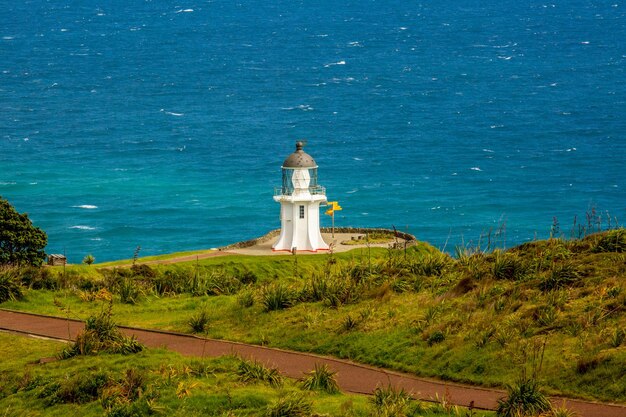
158,382
555,307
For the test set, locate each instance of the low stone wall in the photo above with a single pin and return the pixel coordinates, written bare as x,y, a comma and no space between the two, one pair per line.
410,239
252,242
363,230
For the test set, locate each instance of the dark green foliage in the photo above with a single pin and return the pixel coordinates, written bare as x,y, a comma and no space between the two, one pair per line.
562,275
38,278
10,285
349,323
277,297
121,397
507,266
21,243
129,291
143,271
245,298
321,379
436,337
431,264
612,241
101,335
199,321
89,259
222,283
247,277
390,401
78,389
254,371
523,399
293,405
334,290
172,281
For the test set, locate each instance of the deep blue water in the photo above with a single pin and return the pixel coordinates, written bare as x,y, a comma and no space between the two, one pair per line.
165,125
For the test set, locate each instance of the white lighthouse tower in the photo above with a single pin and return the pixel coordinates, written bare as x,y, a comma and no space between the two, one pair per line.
300,197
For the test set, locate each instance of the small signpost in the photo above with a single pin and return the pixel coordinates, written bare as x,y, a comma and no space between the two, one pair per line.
334,206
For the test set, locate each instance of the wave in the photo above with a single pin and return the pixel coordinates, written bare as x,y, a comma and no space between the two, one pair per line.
82,227
335,63
303,107
476,169
86,206
172,113
184,11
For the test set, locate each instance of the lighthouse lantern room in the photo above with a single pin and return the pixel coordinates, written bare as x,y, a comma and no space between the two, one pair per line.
300,197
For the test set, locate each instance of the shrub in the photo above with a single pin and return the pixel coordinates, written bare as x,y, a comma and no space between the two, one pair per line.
253,371
220,283
507,266
101,335
349,323
38,278
246,298
321,379
559,277
436,337
390,401
431,264
171,282
294,405
247,277
143,271
199,321
612,241
77,389
129,291
120,397
89,259
277,297
523,398
10,285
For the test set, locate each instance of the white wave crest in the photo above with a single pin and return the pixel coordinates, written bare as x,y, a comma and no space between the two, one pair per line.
335,63
86,206
172,113
82,227
476,169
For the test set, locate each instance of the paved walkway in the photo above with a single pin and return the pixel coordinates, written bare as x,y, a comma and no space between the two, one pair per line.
351,377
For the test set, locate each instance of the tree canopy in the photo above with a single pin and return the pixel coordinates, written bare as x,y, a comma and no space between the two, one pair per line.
20,242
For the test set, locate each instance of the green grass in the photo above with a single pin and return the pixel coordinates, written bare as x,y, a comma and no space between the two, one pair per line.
472,319
152,381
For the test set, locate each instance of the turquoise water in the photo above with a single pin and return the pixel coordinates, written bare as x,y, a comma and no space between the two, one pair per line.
164,126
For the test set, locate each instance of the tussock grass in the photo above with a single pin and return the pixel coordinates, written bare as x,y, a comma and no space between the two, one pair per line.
254,371
321,379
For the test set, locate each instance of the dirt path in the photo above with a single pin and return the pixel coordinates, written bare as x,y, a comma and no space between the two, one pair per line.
351,377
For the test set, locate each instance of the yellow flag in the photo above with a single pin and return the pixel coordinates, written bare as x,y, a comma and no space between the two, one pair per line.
329,212
336,206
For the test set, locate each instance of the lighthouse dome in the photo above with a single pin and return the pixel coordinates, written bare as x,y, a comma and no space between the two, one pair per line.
299,159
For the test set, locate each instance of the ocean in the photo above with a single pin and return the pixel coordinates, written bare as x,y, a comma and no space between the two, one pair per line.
164,124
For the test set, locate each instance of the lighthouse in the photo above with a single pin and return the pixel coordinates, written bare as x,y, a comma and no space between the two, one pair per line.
300,197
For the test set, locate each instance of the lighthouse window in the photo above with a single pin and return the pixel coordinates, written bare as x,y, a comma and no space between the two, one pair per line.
302,212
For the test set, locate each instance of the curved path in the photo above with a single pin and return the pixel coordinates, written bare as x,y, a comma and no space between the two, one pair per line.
351,377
